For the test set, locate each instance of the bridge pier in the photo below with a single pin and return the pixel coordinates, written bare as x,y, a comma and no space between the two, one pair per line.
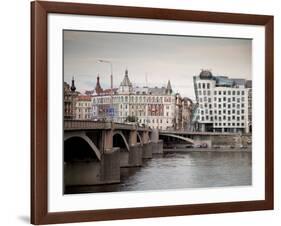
133,156
157,145
110,166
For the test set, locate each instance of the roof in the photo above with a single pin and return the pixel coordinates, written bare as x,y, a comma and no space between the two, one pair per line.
205,74
126,81
84,98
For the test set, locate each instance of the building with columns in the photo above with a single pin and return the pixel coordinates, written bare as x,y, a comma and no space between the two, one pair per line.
154,107
223,103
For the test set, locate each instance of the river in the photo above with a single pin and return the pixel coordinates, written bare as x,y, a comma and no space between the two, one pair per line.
176,170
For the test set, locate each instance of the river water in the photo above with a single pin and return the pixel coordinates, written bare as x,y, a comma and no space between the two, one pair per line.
175,170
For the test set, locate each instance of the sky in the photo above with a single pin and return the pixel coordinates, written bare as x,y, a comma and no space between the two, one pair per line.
152,60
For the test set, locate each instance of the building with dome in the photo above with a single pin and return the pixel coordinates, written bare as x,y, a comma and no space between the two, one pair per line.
154,107
223,103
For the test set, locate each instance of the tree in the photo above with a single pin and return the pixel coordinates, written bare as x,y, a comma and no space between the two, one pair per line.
131,118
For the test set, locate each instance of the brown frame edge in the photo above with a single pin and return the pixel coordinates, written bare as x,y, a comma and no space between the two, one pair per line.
39,107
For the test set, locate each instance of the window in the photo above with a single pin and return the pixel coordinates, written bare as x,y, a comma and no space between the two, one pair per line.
204,92
242,92
209,92
209,100
200,93
203,84
208,85
224,92
233,117
233,98
242,117
219,99
229,100
199,85
238,92
233,92
215,99
219,92
215,92
229,92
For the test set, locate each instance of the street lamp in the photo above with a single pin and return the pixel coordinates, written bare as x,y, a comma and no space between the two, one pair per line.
111,83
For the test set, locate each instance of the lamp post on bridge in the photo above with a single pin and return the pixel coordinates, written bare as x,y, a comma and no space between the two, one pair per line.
111,86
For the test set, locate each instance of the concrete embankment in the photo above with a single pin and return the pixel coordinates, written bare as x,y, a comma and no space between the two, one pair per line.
186,150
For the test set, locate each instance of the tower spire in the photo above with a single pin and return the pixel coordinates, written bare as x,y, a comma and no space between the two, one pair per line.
72,88
169,88
98,88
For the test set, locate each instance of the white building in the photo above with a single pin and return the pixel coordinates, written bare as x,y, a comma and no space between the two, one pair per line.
83,107
222,103
154,107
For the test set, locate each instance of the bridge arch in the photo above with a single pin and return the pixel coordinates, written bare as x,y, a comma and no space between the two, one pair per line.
140,139
190,141
123,138
86,139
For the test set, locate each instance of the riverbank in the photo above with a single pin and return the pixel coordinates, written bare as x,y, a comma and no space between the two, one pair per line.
221,149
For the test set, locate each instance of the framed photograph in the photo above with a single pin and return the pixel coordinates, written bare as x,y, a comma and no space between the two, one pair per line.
148,112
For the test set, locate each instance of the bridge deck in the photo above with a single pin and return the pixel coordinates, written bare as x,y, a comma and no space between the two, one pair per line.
70,125
197,133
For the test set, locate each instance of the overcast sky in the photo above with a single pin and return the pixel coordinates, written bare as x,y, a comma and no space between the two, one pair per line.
157,57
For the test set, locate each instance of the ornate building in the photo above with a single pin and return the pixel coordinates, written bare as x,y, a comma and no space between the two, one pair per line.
154,107
69,101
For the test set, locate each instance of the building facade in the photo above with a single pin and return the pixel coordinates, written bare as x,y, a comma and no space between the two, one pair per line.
69,101
223,103
84,109
154,107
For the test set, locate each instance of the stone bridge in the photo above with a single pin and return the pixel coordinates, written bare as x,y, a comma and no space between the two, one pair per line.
95,151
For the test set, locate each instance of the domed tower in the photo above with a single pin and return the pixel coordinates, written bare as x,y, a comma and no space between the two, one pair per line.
205,74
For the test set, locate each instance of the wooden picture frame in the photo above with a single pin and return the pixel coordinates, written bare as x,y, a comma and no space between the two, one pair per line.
39,109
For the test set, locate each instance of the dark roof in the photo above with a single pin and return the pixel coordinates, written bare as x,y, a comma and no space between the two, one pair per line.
205,74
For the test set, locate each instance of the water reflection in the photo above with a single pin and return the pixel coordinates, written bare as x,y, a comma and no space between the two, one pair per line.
182,170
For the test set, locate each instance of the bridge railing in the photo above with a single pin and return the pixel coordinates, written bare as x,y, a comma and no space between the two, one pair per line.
84,124
87,124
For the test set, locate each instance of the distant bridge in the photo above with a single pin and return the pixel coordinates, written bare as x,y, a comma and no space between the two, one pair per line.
188,140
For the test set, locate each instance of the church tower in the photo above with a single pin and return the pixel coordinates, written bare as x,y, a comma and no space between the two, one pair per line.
73,88
126,85
98,88
169,88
